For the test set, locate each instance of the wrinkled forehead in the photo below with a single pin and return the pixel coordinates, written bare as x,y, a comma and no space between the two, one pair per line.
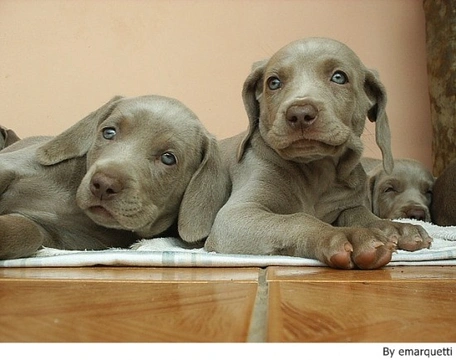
156,113
156,109
315,52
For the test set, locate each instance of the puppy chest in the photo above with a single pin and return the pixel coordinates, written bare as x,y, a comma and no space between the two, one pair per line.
329,206
328,201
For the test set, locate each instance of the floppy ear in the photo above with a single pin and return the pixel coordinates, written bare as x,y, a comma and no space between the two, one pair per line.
376,92
77,140
370,185
350,161
205,194
7,137
251,92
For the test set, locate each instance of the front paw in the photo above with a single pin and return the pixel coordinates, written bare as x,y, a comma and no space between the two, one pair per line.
408,236
350,248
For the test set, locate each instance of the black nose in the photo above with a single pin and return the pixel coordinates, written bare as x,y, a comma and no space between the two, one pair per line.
105,187
301,115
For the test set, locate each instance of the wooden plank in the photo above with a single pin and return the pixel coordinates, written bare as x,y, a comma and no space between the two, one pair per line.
126,305
408,304
68,311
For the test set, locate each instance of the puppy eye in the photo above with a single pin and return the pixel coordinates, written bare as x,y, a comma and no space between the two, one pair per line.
339,77
389,189
109,133
168,158
274,83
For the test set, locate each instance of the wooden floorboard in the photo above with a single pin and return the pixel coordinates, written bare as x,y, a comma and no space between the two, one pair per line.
403,304
277,304
126,305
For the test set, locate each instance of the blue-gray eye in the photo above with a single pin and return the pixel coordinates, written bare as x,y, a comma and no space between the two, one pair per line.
274,83
109,133
339,77
168,158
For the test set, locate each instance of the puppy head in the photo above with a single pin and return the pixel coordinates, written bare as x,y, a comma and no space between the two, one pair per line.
148,160
310,100
404,193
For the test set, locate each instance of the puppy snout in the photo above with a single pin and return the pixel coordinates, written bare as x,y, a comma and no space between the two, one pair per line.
416,213
105,187
301,115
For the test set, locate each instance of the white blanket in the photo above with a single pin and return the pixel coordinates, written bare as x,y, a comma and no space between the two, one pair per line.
172,252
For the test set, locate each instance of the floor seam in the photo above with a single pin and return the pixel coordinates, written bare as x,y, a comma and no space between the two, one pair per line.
259,320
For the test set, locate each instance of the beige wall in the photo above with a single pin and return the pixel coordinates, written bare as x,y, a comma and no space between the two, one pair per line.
62,59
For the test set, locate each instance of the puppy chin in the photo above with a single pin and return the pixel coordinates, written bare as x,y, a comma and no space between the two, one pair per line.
113,220
305,151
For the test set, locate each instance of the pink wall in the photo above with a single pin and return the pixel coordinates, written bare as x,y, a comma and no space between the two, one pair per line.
62,59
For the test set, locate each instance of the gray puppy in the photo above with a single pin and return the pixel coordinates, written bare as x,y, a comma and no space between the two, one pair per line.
134,168
298,187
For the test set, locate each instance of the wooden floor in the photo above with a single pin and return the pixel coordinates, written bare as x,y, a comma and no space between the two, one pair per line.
277,304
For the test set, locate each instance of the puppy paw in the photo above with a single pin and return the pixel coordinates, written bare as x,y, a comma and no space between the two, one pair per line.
371,248
359,248
341,259
409,237
376,255
413,237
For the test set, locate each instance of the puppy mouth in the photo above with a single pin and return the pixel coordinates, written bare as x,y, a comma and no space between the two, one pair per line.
124,210
321,135
100,211
308,150
102,216
130,219
306,146
305,142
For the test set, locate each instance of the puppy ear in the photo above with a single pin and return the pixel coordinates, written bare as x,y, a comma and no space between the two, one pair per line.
370,186
252,90
376,92
77,140
204,196
7,137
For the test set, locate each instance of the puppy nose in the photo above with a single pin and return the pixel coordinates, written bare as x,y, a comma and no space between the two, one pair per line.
301,115
415,213
105,187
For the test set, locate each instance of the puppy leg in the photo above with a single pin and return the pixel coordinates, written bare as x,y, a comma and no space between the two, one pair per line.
19,237
250,229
